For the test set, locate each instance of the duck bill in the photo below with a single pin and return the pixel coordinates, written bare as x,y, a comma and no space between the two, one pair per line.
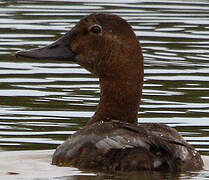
59,50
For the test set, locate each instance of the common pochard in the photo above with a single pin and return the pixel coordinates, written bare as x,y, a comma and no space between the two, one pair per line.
112,140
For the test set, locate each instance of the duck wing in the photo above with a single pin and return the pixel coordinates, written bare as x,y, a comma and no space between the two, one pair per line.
160,142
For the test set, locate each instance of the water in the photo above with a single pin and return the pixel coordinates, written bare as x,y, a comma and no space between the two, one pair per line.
43,102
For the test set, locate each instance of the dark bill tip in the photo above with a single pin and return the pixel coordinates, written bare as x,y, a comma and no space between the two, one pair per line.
27,54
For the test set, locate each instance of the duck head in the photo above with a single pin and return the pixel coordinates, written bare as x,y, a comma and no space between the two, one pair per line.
97,43
105,45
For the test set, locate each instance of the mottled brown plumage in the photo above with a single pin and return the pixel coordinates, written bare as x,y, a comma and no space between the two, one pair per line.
112,140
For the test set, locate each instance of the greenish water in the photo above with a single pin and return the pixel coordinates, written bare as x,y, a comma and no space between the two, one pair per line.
43,102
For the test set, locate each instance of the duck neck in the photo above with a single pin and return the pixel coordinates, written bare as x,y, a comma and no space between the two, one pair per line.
120,97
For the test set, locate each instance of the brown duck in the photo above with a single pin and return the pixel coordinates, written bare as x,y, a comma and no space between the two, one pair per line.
112,140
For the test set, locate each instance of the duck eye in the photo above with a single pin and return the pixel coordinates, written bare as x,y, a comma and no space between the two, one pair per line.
96,29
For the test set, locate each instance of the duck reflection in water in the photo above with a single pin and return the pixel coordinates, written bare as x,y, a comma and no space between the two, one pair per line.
112,140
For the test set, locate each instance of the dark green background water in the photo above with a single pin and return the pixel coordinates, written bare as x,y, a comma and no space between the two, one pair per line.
43,102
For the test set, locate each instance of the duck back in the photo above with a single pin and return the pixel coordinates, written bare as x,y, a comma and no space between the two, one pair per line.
118,146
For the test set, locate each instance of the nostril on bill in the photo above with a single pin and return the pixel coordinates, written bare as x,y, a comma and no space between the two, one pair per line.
53,46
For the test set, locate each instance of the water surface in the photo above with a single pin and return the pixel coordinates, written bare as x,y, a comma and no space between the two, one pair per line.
43,102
